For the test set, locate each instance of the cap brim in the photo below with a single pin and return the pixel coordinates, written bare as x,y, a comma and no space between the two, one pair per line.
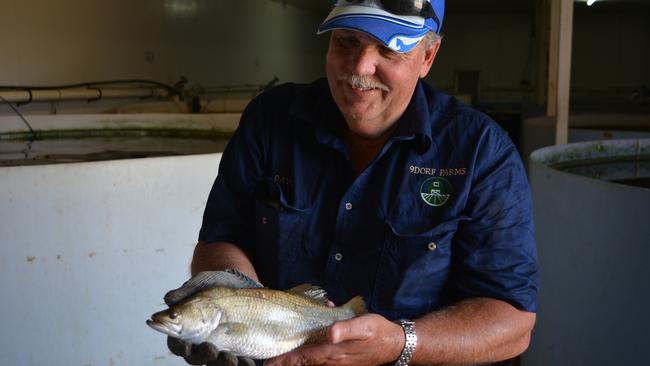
399,34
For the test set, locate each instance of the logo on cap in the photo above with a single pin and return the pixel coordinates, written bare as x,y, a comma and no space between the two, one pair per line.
435,191
399,43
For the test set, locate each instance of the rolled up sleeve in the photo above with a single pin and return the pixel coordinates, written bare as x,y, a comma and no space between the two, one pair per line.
496,251
230,209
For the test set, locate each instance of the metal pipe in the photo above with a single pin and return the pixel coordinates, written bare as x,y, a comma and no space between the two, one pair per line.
35,95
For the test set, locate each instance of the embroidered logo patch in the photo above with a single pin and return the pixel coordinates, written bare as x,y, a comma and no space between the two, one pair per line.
435,191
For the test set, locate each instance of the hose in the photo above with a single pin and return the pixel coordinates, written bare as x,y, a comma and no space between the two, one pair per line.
31,130
170,89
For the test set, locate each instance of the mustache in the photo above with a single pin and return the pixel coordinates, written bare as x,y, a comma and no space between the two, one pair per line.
363,82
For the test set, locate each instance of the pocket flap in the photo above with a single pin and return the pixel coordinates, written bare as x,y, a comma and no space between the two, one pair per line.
404,227
270,193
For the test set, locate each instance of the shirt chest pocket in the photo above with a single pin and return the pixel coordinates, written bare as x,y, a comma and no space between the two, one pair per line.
279,230
413,270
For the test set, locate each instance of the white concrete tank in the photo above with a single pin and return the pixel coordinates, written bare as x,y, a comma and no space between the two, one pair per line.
88,249
592,215
538,132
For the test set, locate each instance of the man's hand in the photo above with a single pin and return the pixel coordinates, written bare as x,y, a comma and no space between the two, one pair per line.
206,353
365,340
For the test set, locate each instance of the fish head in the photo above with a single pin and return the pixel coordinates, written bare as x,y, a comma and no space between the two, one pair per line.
191,321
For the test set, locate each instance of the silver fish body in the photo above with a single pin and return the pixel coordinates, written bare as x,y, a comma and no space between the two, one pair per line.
258,323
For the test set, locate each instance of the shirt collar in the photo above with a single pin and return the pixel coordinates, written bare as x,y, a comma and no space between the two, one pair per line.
317,107
415,122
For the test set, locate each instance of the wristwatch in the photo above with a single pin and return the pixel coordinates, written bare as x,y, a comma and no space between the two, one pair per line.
411,340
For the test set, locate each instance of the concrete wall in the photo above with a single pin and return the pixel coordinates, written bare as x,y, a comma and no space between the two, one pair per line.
497,45
212,42
222,42
611,50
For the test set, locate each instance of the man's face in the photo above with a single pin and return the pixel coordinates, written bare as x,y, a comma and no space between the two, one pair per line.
371,84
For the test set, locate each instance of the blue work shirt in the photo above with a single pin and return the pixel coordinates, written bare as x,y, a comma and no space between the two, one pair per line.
442,214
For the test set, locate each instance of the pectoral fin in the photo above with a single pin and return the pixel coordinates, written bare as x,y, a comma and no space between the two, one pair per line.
227,334
311,292
234,329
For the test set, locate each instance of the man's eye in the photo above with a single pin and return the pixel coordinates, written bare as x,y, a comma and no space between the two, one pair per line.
348,42
387,52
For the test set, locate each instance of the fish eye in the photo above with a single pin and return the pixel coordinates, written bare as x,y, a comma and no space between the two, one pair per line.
173,315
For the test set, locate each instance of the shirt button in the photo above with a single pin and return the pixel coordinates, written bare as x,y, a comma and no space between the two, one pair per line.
338,257
264,220
432,246
348,206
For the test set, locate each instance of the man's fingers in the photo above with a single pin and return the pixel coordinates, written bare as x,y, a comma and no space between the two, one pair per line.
306,355
178,347
243,361
225,359
202,354
172,297
354,329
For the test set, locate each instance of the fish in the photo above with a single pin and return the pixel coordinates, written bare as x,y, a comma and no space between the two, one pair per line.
257,323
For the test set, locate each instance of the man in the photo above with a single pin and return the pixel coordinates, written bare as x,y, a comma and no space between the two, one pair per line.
371,183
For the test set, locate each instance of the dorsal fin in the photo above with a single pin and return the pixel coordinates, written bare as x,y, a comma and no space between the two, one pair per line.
245,281
210,279
310,292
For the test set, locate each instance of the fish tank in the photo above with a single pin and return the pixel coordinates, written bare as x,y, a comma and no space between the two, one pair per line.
592,208
98,137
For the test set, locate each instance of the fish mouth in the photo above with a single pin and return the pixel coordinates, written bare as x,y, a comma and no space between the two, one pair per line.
170,329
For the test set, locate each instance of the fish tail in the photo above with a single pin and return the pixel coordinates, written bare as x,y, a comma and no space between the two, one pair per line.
356,305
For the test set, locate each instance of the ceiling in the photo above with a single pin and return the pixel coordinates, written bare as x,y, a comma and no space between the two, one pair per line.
322,6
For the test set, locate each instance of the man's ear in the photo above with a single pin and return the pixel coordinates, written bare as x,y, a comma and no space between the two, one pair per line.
429,55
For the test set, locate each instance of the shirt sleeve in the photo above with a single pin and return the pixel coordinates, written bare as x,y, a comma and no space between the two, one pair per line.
497,255
230,209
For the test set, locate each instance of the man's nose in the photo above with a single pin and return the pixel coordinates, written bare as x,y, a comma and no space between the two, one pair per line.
364,61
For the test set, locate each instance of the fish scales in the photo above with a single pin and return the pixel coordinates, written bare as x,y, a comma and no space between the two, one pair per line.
252,322
282,322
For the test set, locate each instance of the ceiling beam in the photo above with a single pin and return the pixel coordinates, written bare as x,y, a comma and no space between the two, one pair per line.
559,78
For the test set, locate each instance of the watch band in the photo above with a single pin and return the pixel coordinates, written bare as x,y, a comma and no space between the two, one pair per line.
411,340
